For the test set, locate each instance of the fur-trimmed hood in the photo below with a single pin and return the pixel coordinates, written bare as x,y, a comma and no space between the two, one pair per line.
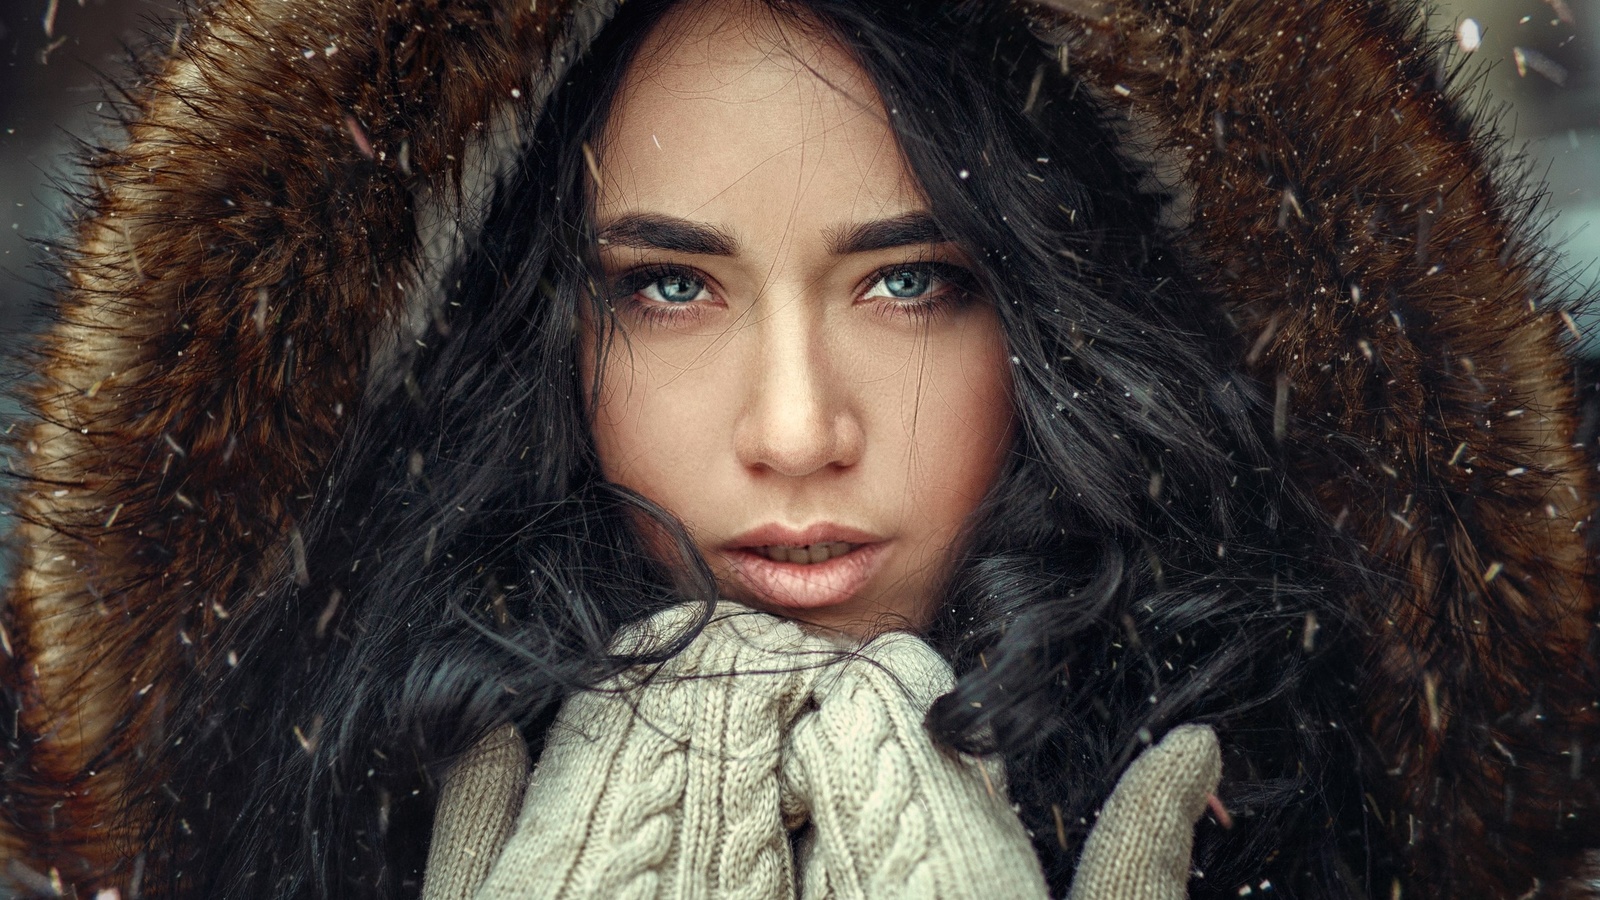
266,242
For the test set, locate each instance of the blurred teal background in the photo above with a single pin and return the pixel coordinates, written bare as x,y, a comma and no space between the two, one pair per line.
1537,59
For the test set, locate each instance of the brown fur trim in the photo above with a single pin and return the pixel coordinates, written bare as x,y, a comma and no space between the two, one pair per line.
233,262
1343,204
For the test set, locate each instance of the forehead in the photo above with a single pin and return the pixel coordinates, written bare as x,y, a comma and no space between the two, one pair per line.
729,111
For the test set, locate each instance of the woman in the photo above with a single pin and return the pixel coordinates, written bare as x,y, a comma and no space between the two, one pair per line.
1289,450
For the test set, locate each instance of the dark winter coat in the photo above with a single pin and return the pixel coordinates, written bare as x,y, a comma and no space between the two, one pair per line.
261,247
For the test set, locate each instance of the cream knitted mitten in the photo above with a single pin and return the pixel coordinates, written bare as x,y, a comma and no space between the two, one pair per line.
1140,847
892,814
477,809
671,787
666,785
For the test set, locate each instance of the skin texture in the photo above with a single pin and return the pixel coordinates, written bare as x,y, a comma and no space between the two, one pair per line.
787,379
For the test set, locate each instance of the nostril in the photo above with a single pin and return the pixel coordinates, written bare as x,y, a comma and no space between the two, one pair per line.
797,419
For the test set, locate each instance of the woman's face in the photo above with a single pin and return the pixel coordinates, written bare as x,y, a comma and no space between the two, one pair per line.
803,373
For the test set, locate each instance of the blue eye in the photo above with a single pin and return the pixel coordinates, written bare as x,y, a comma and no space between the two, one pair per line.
673,287
918,281
921,290
905,284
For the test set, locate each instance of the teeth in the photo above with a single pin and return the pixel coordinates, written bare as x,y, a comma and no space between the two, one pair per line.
808,555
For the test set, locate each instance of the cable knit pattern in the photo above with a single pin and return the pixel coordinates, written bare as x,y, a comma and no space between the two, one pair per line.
685,782
894,816
663,783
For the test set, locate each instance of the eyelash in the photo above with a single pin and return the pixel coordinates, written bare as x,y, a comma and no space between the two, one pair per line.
625,290
958,288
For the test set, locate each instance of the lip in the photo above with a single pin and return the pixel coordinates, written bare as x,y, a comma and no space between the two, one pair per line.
820,533
789,585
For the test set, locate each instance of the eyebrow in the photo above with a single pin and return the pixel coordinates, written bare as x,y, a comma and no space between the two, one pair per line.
908,230
647,232
654,232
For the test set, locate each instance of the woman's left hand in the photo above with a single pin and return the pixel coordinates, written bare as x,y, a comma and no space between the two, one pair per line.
892,813
1142,844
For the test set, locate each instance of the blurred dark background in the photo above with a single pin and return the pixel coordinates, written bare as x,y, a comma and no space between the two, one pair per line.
53,56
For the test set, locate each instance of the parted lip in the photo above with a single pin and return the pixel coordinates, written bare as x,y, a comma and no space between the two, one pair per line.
773,534
784,585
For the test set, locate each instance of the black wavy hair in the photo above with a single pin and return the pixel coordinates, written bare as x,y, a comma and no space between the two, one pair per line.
1139,564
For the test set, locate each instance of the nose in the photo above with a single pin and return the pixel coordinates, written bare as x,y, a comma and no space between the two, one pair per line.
798,415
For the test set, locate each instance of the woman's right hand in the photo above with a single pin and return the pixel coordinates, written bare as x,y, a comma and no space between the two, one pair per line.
663,781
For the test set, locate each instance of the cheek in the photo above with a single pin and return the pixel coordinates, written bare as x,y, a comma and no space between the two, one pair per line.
955,421
652,430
